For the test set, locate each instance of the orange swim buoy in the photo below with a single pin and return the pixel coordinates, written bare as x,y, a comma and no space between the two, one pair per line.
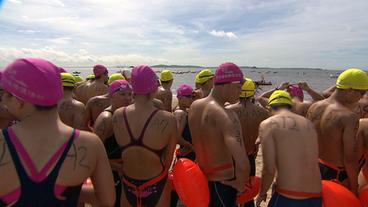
190,183
336,195
363,196
251,191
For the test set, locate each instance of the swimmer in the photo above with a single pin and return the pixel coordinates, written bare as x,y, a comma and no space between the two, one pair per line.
164,91
250,116
204,82
44,161
120,93
71,111
289,147
337,125
147,137
217,137
296,91
95,87
96,105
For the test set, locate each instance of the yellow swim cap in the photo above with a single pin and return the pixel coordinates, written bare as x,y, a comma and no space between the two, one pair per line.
353,78
166,75
78,78
279,97
247,88
90,77
203,76
115,76
67,79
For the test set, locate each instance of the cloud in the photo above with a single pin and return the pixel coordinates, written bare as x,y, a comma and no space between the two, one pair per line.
79,58
221,33
60,40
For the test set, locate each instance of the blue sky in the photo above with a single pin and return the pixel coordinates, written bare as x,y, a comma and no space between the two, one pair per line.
330,34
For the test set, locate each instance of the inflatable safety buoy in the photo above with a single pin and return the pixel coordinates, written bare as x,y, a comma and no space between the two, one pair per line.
190,183
88,181
251,191
336,195
363,196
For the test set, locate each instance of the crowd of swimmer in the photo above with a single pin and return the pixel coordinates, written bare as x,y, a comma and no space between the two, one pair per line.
122,131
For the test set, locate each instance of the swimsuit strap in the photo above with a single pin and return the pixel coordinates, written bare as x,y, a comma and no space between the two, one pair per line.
139,140
298,194
330,165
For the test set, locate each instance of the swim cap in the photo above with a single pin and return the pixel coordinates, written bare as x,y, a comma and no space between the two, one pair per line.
67,79
228,72
203,76
90,77
98,70
166,75
115,76
294,90
33,80
184,90
62,70
247,89
144,80
118,85
279,97
78,78
353,78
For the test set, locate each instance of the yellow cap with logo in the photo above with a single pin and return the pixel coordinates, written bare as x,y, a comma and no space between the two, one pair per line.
166,75
115,76
279,97
203,76
78,78
67,79
90,77
353,78
247,88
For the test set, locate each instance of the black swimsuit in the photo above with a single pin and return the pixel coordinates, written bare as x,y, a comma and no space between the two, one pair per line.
143,192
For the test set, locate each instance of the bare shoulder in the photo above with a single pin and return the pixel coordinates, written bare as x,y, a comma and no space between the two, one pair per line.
89,139
179,113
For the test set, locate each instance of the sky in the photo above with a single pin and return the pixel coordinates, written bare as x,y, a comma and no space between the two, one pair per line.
330,34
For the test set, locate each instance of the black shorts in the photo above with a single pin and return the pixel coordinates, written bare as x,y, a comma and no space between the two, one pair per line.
149,196
328,173
222,195
279,200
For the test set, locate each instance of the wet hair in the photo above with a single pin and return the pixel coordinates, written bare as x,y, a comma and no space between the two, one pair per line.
165,82
280,106
45,108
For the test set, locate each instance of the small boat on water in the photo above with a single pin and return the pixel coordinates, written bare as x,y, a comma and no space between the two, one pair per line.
263,83
333,76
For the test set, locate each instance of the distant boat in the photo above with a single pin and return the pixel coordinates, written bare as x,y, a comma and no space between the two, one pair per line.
263,83
333,76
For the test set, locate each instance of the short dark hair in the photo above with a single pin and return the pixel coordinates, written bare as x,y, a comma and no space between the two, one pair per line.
68,88
165,82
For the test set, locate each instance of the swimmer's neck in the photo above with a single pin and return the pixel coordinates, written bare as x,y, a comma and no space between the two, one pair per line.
40,119
340,97
68,94
166,86
218,97
143,102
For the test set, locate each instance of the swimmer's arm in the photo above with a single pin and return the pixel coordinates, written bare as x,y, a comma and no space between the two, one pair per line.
350,144
78,120
314,94
180,117
87,117
103,126
102,179
269,155
172,144
327,93
233,139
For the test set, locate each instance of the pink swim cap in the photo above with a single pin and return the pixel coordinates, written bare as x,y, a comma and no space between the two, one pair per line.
228,72
144,80
294,90
62,70
98,70
117,85
33,80
184,90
